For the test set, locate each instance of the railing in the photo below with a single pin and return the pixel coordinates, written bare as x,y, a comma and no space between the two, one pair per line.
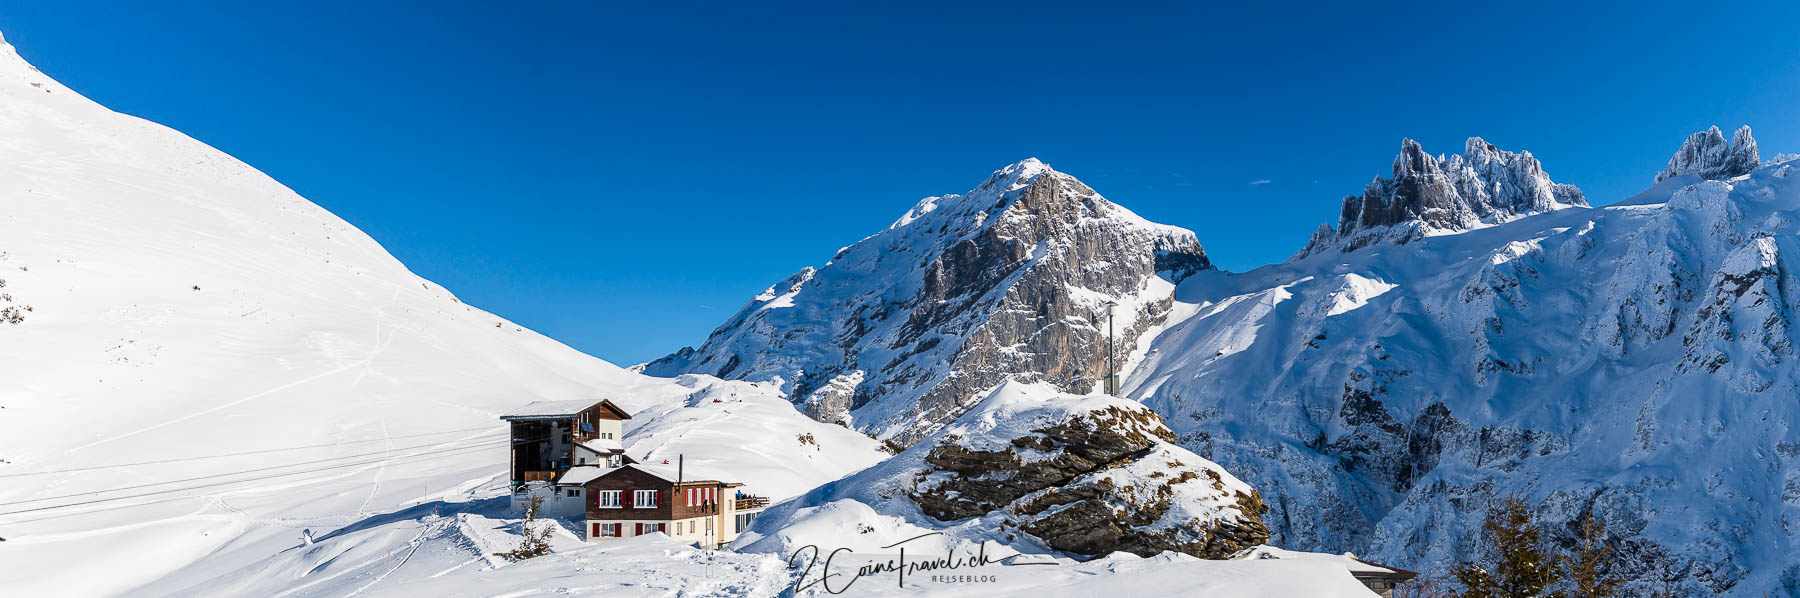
752,502
539,476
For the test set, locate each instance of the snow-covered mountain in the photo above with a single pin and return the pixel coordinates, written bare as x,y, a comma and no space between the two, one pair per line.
1469,330
1634,360
165,309
901,331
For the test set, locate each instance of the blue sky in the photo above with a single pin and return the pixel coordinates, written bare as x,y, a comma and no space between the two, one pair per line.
623,178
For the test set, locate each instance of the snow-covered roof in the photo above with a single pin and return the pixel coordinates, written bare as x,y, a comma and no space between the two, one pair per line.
582,474
549,409
560,409
603,445
666,472
1357,567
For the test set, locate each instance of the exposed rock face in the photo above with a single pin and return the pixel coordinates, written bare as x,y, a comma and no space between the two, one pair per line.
1039,470
900,331
1485,185
1706,154
1097,483
1635,361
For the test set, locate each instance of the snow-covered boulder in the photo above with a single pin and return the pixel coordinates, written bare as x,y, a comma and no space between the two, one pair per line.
1039,471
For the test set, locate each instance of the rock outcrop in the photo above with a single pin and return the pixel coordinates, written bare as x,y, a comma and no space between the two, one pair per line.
1708,155
1484,185
898,333
1098,482
1082,476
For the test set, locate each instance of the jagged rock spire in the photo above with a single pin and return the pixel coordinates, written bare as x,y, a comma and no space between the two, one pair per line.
1706,154
1484,185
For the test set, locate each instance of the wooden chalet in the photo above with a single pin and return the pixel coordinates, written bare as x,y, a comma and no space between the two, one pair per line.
549,437
637,499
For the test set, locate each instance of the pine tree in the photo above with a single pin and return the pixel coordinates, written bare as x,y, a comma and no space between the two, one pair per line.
1522,569
1589,569
535,544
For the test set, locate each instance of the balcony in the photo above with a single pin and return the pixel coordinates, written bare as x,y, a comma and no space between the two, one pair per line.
752,502
539,476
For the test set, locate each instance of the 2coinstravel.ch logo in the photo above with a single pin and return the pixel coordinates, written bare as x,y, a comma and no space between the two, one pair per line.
900,565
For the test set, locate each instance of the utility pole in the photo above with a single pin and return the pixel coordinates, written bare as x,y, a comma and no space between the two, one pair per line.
1112,381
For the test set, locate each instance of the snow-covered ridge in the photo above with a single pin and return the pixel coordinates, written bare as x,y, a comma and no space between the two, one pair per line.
1425,196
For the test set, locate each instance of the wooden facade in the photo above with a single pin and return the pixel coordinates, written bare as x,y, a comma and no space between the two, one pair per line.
545,434
703,511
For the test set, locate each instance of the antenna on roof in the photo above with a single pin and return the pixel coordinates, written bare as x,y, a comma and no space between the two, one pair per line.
680,468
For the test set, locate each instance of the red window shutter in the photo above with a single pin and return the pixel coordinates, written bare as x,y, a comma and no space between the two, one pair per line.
659,497
625,498
640,529
596,532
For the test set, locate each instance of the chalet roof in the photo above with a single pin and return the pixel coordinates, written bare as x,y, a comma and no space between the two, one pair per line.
589,473
1358,567
582,474
1362,568
603,445
560,409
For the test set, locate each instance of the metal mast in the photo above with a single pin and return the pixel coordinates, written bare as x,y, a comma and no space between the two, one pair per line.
1112,381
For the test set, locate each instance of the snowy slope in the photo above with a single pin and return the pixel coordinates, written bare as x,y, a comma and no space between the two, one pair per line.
1636,360
168,302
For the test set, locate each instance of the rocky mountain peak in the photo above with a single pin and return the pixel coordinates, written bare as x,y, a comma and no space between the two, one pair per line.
1707,155
1483,186
900,331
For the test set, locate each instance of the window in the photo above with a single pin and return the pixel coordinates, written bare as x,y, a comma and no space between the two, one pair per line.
644,499
613,461
573,492
743,521
607,499
608,530
690,527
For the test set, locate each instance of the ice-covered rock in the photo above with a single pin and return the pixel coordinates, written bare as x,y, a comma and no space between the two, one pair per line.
1708,155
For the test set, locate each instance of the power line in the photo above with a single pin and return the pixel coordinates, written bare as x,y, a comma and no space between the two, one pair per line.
231,473
427,457
295,448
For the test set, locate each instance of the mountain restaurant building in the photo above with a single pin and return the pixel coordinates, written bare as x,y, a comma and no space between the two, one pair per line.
637,499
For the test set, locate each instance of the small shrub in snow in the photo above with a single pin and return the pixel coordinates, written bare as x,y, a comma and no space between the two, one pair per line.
536,543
